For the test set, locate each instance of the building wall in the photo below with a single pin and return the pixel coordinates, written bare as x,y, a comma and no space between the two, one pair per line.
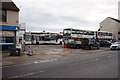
119,31
12,22
111,26
118,27
119,10
119,18
12,18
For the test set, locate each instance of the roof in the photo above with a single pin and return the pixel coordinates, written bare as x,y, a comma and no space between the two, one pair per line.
117,20
9,6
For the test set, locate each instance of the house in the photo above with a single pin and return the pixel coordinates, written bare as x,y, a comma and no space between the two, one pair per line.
112,25
9,25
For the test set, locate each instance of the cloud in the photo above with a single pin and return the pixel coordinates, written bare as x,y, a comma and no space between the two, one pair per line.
54,15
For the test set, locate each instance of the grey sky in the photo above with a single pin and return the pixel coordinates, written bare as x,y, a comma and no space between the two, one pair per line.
55,15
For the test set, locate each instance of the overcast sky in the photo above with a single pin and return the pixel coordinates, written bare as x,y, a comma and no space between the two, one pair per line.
55,15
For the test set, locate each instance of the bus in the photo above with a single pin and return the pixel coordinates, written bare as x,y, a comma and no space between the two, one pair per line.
71,34
104,35
45,38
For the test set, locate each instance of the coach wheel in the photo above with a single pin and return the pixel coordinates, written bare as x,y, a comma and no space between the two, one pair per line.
60,43
37,43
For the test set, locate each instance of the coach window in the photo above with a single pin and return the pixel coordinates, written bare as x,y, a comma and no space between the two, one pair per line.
85,33
73,31
110,34
81,32
101,33
67,31
91,33
106,34
77,32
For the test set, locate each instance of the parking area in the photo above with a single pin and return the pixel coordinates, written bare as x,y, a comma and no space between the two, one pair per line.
46,52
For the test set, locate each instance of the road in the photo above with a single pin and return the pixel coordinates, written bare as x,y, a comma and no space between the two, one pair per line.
103,64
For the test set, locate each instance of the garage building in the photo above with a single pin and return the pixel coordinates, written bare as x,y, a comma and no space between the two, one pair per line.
9,26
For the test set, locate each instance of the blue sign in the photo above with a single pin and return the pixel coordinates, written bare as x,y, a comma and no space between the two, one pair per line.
10,28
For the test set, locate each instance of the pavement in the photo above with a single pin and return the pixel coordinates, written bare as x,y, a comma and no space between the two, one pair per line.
44,52
100,64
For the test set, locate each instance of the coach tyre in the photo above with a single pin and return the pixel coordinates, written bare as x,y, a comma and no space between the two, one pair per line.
90,47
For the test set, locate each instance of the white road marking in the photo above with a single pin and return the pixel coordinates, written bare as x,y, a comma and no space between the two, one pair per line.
27,74
91,60
34,62
44,61
96,59
83,62
112,56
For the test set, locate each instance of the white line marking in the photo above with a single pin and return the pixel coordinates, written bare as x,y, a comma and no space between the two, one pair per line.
96,59
34,62
44,61
91,60
27,74
112,56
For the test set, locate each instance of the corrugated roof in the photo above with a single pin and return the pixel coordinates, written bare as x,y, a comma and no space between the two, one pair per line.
9,6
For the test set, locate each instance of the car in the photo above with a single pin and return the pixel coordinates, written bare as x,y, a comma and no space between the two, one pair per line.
89,44
74,44
115,46
105,43
113,41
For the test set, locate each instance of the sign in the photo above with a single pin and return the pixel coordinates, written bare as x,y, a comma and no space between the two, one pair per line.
7,33
11,28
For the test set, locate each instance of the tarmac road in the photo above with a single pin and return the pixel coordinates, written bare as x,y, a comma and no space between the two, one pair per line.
95,65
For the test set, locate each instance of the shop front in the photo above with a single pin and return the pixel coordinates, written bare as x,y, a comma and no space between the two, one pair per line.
8,37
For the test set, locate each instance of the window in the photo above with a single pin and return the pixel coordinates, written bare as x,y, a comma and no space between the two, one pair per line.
91,33
85,33
67,31
7,40
106,34
73,32
77,32
4,15
110,34
100,33
81,32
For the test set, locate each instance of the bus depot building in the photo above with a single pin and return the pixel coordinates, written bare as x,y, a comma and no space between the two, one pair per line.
111,25
9,26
